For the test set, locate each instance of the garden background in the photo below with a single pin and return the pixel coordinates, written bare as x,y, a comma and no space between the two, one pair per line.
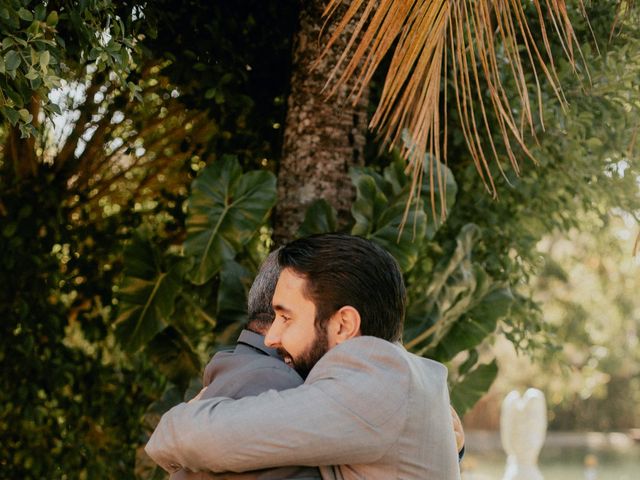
152,152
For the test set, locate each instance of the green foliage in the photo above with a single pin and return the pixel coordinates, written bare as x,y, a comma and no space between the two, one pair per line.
71,195
232,59
455,307
458,294
477,323
586,163
70,403
380,210
213,81
232,290
160,291
34,55
26,61
379,213
174,356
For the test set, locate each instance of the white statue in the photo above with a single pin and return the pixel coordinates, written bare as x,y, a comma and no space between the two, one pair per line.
523,427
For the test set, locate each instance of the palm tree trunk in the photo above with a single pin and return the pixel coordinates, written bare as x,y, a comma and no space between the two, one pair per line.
323,137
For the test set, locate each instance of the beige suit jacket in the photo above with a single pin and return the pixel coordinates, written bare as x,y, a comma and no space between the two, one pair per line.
368,410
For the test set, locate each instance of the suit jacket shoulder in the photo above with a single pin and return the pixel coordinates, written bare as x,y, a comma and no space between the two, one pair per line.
368,377
236,375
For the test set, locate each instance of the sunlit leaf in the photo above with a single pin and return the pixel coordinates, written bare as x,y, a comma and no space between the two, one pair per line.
52,19
45,58
25,15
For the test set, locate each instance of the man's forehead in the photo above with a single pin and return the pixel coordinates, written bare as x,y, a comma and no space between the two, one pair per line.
289,283
289,278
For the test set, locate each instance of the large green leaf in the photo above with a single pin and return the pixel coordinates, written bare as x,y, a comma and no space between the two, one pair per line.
320,217
475,325
226,207
148,292
468,390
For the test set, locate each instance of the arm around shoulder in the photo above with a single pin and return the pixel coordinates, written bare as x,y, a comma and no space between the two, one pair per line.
350,410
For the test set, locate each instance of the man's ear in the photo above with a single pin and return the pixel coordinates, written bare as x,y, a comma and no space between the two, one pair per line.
343,325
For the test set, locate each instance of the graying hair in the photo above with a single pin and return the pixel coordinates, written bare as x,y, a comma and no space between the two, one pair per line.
259,308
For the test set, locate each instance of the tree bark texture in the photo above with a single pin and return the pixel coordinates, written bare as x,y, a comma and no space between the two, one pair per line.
323,137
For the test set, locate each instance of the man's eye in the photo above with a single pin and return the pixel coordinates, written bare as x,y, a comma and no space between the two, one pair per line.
285,318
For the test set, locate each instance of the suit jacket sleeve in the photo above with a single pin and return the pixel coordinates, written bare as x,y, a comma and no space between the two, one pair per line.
351,409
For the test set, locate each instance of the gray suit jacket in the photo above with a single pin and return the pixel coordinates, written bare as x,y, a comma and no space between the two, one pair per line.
249,369
368,407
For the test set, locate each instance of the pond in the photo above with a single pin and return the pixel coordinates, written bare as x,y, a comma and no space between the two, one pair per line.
561,463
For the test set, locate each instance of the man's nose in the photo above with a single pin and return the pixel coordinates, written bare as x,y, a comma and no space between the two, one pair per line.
272,338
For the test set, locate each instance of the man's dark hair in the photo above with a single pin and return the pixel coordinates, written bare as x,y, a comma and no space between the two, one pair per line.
345,270
259,307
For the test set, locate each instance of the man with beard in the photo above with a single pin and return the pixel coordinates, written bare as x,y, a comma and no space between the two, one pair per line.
367,407
250,369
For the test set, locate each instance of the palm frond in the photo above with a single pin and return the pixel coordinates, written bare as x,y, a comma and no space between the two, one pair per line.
484,39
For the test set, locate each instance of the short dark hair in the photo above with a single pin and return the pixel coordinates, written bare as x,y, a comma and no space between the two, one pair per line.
259,300
345,270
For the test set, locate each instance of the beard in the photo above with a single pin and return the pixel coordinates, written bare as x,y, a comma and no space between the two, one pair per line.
307,359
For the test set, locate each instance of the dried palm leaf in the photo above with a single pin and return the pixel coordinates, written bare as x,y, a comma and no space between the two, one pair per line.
483,38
